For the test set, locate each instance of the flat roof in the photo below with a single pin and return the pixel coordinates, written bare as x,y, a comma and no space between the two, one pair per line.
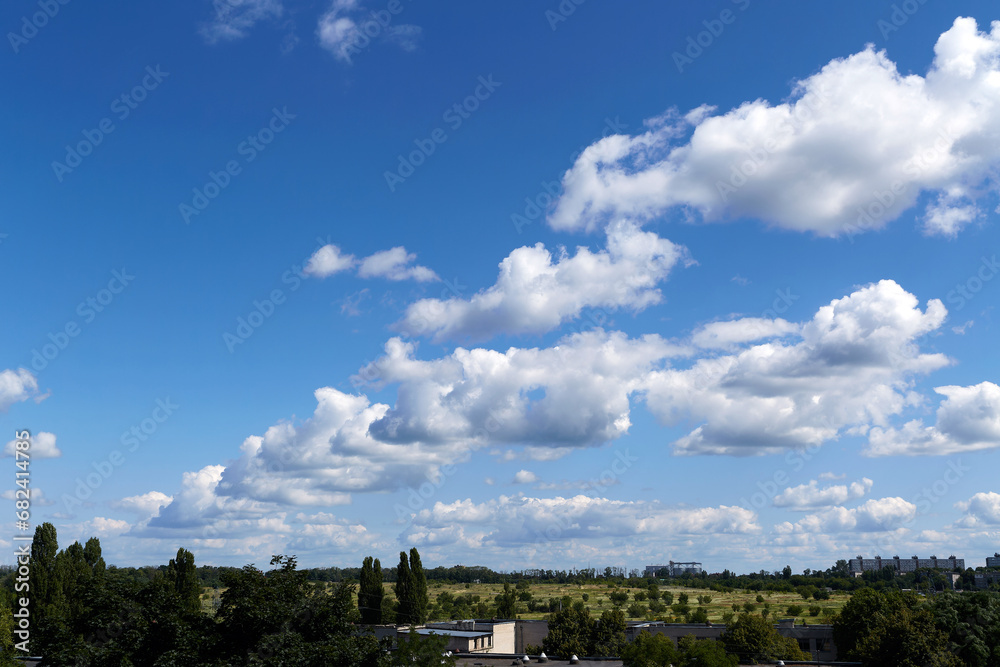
451,633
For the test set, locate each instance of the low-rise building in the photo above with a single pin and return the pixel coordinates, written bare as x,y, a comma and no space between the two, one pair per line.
984,579
470,636
993,561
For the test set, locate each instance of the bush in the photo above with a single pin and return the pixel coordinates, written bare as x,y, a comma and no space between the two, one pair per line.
760,598
586,596
795,610
636,610
814,610
822,594
639,596
749,607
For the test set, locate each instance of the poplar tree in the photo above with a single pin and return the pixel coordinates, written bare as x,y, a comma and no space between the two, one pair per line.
370,592
420,598
183,578
405,586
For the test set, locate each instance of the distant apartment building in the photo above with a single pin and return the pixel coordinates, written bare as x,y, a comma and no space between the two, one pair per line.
674,569
984,579
993,561
903,565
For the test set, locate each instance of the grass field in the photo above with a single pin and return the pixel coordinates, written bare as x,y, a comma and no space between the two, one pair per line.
597,600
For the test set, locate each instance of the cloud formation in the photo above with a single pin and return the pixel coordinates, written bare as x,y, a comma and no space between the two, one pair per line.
853,148
43,446
807,496
16,386
233,19
519,521
876,515
534,294
393,264
968,420
345,30
850,366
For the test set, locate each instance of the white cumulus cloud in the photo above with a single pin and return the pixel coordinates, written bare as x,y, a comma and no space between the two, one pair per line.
853,148
807,496
534,294
968,419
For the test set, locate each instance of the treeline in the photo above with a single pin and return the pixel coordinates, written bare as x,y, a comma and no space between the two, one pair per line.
747,639
83,613
892,627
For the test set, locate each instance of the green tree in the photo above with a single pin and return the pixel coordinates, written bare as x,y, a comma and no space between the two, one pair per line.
421,650
972,622
182,576
507,603
888,627
406,613
43,581
609,634
704,653
650,651
420,598
753,639
370,592
571,632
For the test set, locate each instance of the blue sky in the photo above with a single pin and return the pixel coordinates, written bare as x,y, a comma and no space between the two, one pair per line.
530,285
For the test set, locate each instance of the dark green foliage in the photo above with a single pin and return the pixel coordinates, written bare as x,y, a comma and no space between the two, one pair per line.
890,628
571,631
420,599
507,603
609,633
650,651
754,639
370,593
406,612
972,621
658,650
618,598
422,650
182,576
